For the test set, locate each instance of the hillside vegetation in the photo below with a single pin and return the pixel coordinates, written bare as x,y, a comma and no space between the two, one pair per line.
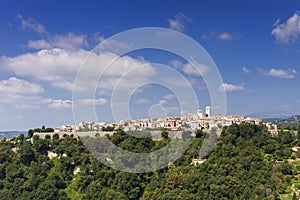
246,163
290,122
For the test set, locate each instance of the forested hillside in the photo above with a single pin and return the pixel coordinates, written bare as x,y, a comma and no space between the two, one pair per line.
246,163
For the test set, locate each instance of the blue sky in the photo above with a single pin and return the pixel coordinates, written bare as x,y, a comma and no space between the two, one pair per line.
255,45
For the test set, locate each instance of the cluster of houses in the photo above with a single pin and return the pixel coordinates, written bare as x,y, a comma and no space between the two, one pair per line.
192,121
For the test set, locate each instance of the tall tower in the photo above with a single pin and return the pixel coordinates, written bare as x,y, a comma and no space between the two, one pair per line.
207,111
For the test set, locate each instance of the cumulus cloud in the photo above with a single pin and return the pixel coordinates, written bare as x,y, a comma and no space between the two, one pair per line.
114,46
224,36
39,44
179,22
31,24
59,67
176,64
279,73
190,68
231,87
195,69
53,65
25,95
288,31
19,86
60,103
68,41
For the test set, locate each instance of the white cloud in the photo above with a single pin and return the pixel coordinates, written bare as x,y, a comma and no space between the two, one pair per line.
179,22
68,41
245,70
59,67
39,44
31,24
60,103
222,36
289,31
114,46
163,102
230,87
97,102
99,37
174,82
142,101
169,96
56,66
198,83
136,91
19,86
25,95
195,69
225,36
190,68
176,64
279,73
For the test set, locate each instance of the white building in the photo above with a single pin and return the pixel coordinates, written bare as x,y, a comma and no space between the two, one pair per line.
272,128
207,111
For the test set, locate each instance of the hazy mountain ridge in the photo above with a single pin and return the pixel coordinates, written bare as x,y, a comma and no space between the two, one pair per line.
285,122
272,115
11,134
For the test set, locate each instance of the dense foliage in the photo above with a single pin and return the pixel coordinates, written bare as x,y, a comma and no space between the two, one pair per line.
246,163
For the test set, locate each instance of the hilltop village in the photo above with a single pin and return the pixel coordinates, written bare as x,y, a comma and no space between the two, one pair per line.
193,121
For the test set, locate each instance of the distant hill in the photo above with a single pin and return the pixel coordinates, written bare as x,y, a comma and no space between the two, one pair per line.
285,122
271,115
272,119
11,134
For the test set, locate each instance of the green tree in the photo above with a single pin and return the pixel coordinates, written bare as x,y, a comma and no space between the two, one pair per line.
199,133
41,146
47,137
26,153
294,196
49,130
109,128
165,134
30,133
55,136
